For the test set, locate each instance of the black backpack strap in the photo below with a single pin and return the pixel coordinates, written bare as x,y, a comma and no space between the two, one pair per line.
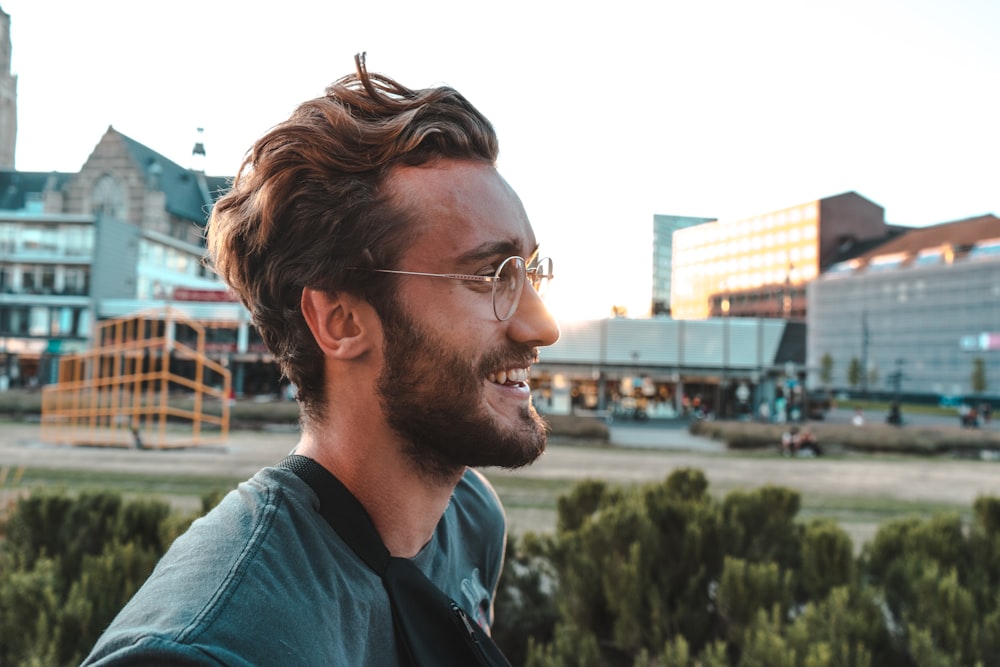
432,629
436,629
345,514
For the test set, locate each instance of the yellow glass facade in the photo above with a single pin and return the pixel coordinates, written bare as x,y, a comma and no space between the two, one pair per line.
779,248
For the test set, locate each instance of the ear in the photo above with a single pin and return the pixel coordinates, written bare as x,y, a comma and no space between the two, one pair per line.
341,323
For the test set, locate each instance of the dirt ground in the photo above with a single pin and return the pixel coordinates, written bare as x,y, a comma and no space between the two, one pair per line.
946,481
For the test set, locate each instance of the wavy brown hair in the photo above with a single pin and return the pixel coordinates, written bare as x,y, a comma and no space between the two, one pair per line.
310,202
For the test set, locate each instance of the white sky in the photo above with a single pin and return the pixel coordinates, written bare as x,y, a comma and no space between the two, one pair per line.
607,113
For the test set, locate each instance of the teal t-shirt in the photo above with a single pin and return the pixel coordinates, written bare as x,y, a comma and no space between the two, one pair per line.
263,580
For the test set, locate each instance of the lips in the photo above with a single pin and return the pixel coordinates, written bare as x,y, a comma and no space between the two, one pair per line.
509,376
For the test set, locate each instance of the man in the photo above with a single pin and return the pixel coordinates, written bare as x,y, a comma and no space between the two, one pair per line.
392,273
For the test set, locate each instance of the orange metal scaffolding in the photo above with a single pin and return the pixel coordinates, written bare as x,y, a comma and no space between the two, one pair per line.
146,382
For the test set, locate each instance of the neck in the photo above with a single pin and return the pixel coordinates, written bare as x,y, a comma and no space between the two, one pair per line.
404,503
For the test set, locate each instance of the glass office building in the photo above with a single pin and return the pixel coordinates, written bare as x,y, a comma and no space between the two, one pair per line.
922,311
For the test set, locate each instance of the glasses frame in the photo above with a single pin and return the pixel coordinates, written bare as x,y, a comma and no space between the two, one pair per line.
531,276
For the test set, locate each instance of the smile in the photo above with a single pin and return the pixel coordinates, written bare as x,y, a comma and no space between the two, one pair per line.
509,377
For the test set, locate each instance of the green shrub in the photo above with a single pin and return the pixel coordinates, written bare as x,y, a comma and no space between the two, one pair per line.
827,559
662,575
871,438
667,575
524,607
68,564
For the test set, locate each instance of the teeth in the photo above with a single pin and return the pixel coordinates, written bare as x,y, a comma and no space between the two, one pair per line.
508,375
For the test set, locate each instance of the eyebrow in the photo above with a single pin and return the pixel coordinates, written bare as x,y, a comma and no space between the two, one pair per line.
492,249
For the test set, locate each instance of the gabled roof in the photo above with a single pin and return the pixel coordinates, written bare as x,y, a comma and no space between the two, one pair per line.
189,194
15,186
959,234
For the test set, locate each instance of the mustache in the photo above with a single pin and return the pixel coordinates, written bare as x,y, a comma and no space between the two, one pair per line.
511,356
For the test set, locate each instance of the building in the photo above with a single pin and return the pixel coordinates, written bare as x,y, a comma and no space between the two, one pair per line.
664,227
8,97
759,266
913,315
668,367
127,227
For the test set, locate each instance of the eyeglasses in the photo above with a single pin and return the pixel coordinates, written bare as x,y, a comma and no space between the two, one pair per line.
508,282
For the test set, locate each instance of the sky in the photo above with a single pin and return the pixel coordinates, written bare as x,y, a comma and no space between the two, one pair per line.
607,113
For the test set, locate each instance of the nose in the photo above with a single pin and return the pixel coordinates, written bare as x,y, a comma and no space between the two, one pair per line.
532,323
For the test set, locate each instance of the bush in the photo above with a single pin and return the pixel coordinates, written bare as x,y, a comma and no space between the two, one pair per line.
662,575
667,575
68,564
872,438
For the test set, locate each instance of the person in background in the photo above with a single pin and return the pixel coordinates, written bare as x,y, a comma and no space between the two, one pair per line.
895,414
790,441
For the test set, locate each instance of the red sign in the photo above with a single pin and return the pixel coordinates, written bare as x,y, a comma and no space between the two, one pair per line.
192,294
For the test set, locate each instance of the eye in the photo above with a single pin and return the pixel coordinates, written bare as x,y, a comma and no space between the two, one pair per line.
482,285
511,275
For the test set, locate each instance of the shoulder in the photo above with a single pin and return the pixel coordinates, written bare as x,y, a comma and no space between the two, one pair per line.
477,509
247,569
475,491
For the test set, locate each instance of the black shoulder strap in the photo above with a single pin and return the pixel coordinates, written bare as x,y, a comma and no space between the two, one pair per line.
342,511
432,628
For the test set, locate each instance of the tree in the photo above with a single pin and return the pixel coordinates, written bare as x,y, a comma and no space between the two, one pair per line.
854,372
872,375
826,370
978,379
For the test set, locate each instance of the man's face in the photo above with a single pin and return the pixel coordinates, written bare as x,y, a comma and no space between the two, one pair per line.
454,381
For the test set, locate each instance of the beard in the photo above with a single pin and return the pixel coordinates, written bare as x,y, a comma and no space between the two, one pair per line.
432,397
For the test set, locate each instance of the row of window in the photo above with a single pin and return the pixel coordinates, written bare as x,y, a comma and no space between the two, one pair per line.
44,321
154,255
688,253
799,218
988,250
44,279
937,294
18,238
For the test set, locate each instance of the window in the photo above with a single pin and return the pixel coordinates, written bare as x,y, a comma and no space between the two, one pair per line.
78,240
8,238
48,279
14,321
885,262
927,258
108,198
62,321
77,281
985,250
39,323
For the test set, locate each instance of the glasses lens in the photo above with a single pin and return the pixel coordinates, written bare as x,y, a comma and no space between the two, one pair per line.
541,275
507,287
